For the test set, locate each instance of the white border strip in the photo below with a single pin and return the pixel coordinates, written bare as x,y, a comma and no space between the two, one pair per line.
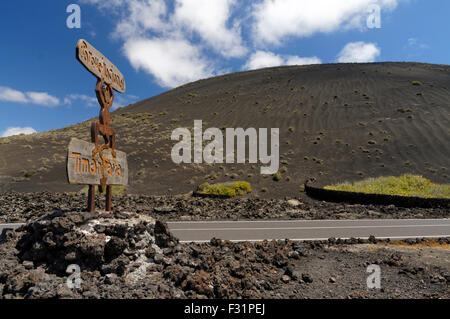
306,228
311,239
302,220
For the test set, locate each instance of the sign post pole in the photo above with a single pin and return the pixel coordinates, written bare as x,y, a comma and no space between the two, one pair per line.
91,163
91,194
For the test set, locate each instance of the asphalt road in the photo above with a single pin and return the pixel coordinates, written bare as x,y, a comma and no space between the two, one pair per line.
303,229
309,229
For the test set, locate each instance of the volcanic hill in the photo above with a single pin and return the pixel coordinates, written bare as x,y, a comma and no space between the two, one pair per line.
338,122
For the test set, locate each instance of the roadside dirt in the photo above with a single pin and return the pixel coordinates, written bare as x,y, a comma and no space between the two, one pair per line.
23,207
129,255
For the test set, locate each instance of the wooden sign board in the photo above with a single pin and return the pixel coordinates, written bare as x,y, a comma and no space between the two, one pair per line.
83,169
99,65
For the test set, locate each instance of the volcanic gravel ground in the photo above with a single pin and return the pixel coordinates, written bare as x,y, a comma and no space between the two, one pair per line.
337,123
22,207
129,255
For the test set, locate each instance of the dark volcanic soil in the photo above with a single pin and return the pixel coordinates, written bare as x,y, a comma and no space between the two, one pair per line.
126,255
24,207
337,122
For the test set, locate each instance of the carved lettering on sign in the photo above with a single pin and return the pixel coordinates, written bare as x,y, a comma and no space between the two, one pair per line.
83,169
99,65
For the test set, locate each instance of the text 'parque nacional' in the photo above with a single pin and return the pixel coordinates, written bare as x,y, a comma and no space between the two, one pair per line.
99,65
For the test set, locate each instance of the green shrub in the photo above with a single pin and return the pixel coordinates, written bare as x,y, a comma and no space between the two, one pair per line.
29,174
403,110
277,176
406,185
226,189
213,176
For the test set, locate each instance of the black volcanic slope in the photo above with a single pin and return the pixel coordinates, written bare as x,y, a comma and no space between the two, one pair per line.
338,122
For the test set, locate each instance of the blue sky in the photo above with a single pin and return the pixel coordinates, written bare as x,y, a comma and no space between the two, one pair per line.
159,44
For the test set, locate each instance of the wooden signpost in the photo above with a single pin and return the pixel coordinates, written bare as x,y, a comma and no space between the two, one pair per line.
82,168
99,65
91,163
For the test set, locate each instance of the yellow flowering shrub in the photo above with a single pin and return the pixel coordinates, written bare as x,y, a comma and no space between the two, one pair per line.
226,189
406,185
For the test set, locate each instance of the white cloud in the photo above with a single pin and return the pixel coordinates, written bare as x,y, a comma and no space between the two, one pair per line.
296,60
276,19
140,17
359,52
415,49
11,95
18,130
206,18
172,42
415,43
264,59
88,100
172,62
209,19
40,98
176,40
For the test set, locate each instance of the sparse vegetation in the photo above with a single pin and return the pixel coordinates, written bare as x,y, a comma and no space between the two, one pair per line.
213,176
406,185
277,176
226,189
145,136
28,174
403,110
